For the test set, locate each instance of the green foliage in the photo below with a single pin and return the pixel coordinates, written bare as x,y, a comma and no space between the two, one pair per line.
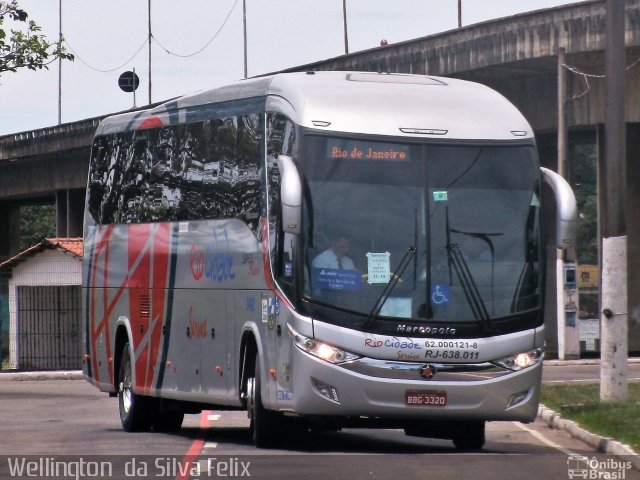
36,222
25,47
581,403
586,196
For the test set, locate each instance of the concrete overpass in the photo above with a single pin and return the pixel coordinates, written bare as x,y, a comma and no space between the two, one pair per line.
44,166
525,57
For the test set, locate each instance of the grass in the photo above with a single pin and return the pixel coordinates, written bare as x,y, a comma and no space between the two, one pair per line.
581,403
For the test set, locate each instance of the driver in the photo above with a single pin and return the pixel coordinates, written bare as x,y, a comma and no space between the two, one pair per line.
335,256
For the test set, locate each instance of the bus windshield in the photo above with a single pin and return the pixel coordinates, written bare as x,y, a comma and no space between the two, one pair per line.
454,228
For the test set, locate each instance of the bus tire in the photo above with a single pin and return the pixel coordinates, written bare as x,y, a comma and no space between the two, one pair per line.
470,436
135,414
264,423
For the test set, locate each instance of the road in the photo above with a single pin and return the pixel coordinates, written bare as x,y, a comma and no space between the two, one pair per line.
68,420
568,372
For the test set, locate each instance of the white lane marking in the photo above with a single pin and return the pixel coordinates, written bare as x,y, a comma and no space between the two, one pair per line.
213,418
210,446
544,439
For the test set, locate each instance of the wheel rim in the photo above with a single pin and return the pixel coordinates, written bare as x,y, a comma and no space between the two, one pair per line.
126,393
251,397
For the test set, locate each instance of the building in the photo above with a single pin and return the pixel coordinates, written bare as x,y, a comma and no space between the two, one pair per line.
44,305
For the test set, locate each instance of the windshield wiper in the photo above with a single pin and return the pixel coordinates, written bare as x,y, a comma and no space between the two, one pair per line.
391,284
469,287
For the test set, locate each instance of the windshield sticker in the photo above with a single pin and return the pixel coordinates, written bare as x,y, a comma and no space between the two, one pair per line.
396,307
440,294
336,279
358,150
441,196
378,267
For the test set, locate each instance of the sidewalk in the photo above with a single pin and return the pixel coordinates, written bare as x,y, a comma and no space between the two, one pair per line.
9,376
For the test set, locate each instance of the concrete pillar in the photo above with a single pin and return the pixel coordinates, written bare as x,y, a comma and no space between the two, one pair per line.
9,230
75,212
547,148
69,212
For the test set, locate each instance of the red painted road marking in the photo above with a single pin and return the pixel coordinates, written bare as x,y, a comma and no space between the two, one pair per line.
195,448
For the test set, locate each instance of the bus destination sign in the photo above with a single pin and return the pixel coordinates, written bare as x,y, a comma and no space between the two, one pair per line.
357,150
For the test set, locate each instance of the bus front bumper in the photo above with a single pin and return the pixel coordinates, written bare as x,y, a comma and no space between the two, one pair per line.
405,390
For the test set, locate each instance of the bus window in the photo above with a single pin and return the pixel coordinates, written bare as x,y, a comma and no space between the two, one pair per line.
280,140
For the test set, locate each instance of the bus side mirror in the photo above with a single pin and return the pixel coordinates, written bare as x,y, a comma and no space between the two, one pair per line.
567,209
290,195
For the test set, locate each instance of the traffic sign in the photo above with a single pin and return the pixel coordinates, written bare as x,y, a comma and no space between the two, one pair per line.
128,81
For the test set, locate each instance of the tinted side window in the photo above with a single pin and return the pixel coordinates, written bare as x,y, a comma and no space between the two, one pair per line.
208,169
109,154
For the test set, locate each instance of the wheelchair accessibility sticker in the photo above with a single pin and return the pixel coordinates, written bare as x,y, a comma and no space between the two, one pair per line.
440,294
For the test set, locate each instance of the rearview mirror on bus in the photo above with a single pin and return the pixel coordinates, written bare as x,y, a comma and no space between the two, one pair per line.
567,210
290,194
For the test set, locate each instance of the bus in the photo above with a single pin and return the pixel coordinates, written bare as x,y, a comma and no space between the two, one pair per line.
324,250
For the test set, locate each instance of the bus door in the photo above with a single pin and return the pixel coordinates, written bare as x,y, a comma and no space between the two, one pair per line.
280,317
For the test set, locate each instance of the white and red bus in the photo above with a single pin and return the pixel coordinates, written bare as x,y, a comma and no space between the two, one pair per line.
324,250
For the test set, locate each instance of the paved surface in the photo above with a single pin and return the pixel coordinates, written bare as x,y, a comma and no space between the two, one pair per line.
71,420
555,372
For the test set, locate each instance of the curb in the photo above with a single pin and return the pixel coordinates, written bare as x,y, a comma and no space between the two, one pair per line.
602,444
33,376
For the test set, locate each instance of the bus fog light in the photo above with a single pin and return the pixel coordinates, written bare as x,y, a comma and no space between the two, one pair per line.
321,350
517,398
327,391
522,360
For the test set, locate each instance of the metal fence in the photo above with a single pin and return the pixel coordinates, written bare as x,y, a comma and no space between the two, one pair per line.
48,328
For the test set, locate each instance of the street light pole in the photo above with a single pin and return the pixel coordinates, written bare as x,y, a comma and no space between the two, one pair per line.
344,17
59,62
244,29
149,38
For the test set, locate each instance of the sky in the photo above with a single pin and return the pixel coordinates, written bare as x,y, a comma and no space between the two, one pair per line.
198,45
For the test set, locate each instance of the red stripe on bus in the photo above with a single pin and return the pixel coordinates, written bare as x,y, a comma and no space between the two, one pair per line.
148,253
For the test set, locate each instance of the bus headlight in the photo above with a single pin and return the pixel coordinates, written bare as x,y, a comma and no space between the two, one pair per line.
322,350
521,360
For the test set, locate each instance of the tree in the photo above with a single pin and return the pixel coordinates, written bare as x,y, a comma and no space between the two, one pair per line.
26,47
36,222
587,199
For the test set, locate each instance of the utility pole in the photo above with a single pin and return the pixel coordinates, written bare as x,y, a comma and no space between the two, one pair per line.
149,37
566,285
244,30
459,13
612,191
344,18
59,62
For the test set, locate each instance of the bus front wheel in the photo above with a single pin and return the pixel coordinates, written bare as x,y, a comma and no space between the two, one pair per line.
134,414
263,422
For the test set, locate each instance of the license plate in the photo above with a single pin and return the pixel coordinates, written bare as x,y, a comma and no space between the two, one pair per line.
417,398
